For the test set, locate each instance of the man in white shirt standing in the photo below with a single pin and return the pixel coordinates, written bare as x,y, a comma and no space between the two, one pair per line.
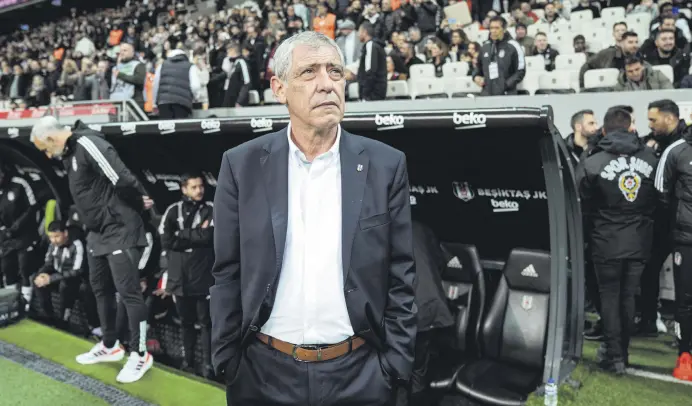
313,301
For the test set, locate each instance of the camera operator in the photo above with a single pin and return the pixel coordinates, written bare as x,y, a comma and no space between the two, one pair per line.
616,184
63,268
187,230
19,215
109,200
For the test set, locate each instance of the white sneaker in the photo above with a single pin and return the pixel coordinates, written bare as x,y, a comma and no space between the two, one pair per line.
135,368
660,326
102,354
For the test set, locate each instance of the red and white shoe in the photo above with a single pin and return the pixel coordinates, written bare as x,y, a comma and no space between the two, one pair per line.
683,369
99,353
135,368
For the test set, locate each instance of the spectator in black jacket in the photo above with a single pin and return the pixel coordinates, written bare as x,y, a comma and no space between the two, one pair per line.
187,231
63,269
372,72
616,185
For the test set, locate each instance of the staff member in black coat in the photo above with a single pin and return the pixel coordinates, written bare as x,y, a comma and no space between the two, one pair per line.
372,71
187,235
19,214
501,64
108,198
616,184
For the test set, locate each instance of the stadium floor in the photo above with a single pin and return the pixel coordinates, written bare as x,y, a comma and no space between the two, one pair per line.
160,386
35,356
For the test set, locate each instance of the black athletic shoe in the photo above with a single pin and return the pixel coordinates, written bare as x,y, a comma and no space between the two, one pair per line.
595,333
646,328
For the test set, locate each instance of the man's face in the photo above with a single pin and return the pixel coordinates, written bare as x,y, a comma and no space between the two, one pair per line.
541,42
322,10
588,126
525,7
549,10
520,33
51,146
414,35
315,86
406,50
634,72
496,31
194,189
630,45
618,30
386,5
579,45
665,42
127,52
57,238
668,23
660,123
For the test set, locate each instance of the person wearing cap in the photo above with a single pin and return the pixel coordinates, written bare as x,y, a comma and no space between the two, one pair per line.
348,41
324,22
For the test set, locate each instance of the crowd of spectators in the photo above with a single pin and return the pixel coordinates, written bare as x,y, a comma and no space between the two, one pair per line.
114,53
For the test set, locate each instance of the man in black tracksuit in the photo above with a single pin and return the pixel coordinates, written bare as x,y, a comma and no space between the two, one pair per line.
674,181
19,219
64,268
372,71
187,231
109,199
501,64
616,184
666,128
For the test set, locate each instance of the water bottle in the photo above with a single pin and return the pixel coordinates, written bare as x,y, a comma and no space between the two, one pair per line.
551,393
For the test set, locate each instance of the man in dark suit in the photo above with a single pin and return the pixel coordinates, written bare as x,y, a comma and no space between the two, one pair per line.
314,300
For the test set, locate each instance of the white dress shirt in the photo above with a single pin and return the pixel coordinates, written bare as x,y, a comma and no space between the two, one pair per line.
310,307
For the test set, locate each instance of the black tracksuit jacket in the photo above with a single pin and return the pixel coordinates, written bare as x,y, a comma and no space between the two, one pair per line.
19,215
674,181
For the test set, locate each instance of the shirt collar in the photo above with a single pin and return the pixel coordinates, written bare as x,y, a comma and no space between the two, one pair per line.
333,151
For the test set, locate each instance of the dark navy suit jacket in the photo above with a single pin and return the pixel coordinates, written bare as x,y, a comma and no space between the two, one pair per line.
250,218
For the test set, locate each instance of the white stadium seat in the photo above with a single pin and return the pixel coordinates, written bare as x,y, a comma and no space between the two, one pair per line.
613,13
422,70
397,89
598,23
535,63
353,91
666,70
455,69
596,38
687,12
555,80
559,37
461,85
482,36
597,78
570,62
583,15
532,29
269,97
530,82
254,97
426,87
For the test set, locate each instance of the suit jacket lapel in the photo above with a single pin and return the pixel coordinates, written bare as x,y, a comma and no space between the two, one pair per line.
274,163
354,173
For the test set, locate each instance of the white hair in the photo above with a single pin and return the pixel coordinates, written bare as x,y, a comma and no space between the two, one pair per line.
284,53
45,126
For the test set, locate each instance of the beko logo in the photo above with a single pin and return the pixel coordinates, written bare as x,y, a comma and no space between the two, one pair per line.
167,127
13,132
468,120
261,124
211,126
128,129
500,206
390,122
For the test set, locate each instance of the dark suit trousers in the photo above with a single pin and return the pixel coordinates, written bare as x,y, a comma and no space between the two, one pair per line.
267,377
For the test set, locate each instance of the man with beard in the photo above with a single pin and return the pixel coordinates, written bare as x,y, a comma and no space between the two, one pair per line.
18,231
129,75
109,199
618,197
187,235
585,127
612,57
666,128
664,52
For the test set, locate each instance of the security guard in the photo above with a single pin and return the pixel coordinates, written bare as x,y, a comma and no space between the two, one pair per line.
616,184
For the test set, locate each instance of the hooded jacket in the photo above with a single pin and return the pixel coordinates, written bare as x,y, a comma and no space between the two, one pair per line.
106,194
616,184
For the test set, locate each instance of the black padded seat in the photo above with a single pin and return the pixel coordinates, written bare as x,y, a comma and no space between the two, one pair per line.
513,334
464,284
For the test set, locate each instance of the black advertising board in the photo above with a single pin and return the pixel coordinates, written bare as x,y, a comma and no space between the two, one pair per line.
476,176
